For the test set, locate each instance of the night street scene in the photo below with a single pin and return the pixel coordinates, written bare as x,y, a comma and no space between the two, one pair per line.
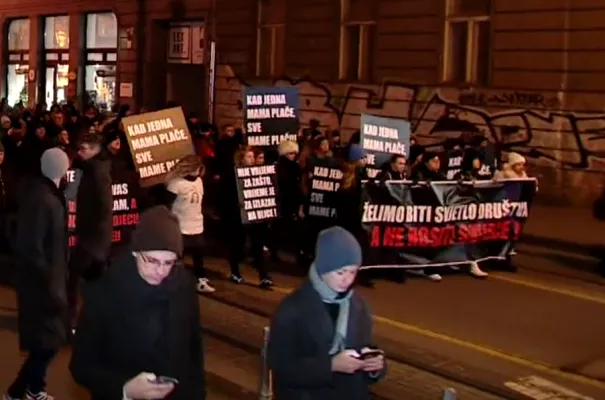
296,200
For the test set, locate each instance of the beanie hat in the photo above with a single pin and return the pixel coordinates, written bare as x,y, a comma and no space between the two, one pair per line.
336,248
287,146
54,163
515,158
356,153
158,229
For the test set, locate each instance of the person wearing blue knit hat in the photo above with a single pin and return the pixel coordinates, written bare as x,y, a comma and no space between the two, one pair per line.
320,344
357,154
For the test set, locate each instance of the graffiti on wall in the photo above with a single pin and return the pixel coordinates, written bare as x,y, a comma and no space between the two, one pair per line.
529,123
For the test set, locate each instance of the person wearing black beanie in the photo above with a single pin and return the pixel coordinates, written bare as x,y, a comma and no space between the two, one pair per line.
138,335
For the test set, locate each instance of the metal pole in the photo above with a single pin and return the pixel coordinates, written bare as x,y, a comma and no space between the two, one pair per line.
449,394
265,385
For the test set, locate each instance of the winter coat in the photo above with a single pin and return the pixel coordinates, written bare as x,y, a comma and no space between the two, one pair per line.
41,256
139,328
94,205
289,178
299,345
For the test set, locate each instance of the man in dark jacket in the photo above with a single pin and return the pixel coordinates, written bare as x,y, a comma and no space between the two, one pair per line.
94,202
41,256
140,322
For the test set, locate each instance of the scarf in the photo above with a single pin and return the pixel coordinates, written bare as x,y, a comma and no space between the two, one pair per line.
330,296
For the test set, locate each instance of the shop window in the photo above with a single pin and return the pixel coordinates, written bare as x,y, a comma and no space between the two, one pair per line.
101,85
18,35
101,31
101,59
18,61
56,33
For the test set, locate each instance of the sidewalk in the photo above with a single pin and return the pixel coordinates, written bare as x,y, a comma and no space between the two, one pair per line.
564,228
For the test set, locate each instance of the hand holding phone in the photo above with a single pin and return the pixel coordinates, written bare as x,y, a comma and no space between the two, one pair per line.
145,386
371,354
163,380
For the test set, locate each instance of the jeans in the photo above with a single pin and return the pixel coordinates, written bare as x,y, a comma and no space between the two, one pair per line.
32,375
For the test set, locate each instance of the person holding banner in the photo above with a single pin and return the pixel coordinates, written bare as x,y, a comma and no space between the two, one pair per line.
257,232
470,166
394,170
185,182
429,169
321,345
514,168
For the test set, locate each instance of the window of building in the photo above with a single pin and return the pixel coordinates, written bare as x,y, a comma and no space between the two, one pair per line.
18,61
356,41
56,49
270,38
56,33
101,59
468,41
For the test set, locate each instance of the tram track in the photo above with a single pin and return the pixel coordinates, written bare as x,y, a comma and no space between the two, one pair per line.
398,363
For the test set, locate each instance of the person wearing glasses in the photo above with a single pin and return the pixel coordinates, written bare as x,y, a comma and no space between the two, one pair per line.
138,334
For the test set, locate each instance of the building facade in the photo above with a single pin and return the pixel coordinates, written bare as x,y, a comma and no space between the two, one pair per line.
528,74
109,52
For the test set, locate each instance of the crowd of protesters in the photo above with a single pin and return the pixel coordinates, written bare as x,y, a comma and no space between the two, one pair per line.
38,146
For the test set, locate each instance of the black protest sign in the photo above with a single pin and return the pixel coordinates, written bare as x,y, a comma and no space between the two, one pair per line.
125,215
444,223
453,161
271,115
157,140
381,138
257,193
325,180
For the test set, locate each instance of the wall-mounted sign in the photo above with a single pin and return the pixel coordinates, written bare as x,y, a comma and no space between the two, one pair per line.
126,90
126,38
186,43
197,44
31,75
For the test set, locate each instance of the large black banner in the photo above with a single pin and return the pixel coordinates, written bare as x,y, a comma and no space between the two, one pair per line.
257,193
442,223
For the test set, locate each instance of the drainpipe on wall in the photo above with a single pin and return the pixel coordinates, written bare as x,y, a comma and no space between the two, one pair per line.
212,64
562,96
141,49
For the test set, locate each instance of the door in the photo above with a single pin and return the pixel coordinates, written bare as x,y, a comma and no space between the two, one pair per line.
56,83
49,96
186,84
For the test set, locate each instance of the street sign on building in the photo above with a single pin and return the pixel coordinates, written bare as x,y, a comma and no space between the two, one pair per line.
186,43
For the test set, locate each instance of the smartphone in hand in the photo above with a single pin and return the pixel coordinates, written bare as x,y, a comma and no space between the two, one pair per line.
371,354
163,380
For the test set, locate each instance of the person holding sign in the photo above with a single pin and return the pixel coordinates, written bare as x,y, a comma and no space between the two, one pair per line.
257,232
185,182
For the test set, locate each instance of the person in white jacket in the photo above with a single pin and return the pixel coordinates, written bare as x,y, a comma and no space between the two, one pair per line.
186,184
514,168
